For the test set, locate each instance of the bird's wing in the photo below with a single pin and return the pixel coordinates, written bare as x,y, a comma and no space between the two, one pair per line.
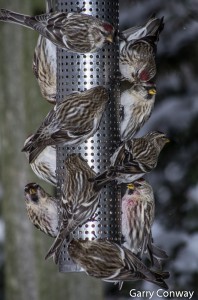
144,154
135,264
132,33
66,136
35,63
155,254
119,155
48,119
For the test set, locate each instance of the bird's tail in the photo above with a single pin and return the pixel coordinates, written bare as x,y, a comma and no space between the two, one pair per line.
55,249
13,17
154,26
158,252
143,272
33,149
159,278
29,144
34,152
156,255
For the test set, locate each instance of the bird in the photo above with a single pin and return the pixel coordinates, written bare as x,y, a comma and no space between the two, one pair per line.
44,166
79,201
138,48
111,262
71,121
133,159
137,105
42,209
138,210
71,31
44,68
44,64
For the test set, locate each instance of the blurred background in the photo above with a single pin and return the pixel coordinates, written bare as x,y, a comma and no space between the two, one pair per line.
24,274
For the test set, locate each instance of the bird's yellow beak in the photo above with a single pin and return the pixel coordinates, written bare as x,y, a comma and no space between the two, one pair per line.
168,140
152,91
109,38
32,191
131,186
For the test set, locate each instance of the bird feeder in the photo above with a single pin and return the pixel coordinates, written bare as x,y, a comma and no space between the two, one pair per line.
79,72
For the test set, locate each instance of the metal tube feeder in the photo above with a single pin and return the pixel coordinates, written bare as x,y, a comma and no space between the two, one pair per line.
78,72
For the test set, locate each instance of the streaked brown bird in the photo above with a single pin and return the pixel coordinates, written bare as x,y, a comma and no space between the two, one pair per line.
138,210
110,262
133,159
79,201
73,31
42,209
137,105
44,166
71,121
44,64
138,50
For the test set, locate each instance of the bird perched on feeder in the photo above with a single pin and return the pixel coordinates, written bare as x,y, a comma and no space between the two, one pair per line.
133,159
138,209
73,31
71,121
44,64
79,201
112,263
137,104
44,166
42,209
138,49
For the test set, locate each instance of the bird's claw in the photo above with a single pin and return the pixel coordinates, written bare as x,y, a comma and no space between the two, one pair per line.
80,9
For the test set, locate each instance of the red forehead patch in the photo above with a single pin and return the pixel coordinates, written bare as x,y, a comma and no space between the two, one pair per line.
108,27
140,180
144,75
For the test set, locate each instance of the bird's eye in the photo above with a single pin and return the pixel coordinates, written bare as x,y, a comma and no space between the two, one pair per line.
36,186
101,31
167,139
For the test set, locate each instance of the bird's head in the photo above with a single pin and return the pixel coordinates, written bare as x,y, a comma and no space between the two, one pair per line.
103,32
33,192
131,188
161,139
143,188
139,183
158,138
151,90
147,91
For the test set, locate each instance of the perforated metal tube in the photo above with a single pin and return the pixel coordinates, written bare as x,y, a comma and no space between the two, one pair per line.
77,72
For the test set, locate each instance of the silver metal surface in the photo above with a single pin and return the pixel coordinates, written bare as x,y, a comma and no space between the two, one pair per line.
77,72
